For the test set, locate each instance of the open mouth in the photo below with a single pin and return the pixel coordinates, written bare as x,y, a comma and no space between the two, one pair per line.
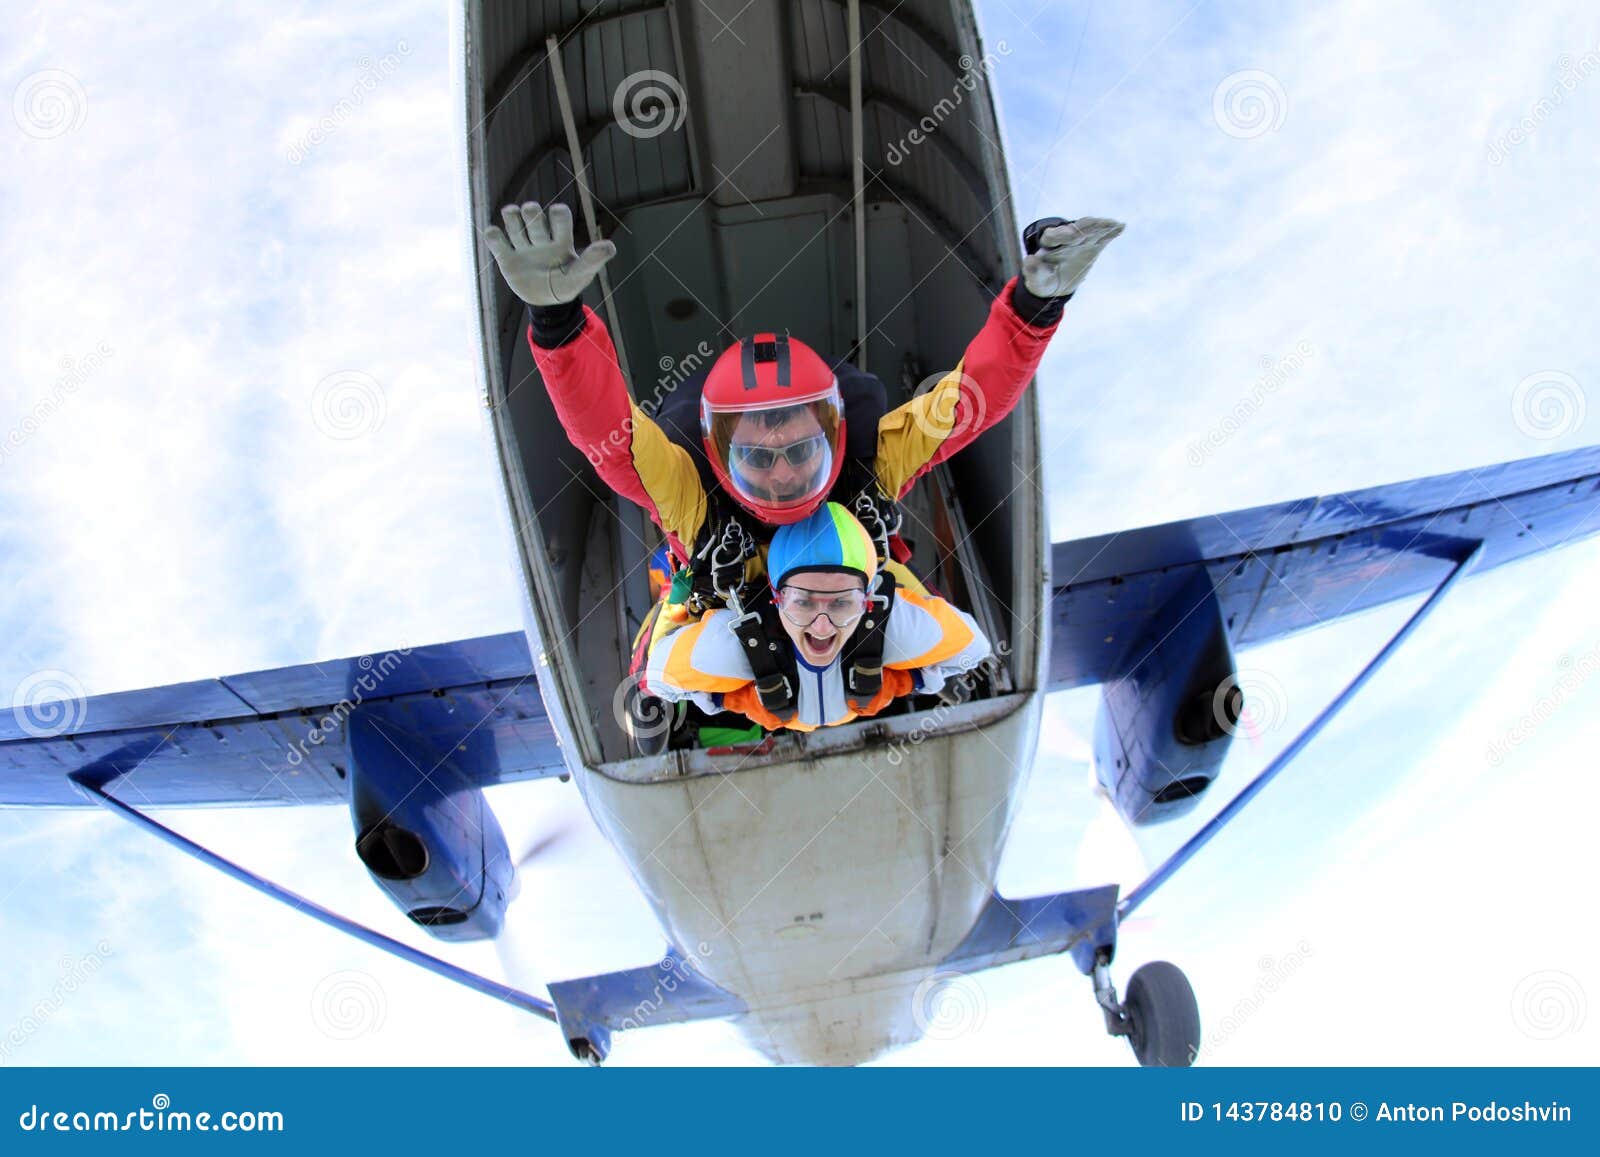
816,647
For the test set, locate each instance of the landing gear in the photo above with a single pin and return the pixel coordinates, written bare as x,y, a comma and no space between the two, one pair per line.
1160,1017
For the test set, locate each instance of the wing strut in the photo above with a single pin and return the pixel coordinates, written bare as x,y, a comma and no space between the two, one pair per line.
1253,788
91,782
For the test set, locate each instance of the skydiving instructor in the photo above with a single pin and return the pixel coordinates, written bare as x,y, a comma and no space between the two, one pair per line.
772,413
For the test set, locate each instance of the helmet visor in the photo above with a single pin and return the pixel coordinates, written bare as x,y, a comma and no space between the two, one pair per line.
777,456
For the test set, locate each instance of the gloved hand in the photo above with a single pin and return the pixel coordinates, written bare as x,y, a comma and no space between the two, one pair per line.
1065,253
539,262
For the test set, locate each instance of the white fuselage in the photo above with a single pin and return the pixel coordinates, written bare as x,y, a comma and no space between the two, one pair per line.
825,890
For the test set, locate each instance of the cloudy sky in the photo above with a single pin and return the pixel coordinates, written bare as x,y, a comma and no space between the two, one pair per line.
219,222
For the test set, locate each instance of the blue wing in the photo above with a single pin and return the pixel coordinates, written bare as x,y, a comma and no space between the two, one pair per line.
278,737
1279,569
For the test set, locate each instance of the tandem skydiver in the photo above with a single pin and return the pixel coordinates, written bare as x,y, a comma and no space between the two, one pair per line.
772,425
828,610
771,410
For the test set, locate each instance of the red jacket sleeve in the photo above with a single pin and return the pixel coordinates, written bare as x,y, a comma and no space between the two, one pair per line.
628,450
982,389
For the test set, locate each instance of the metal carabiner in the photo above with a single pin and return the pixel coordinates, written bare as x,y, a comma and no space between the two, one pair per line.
870,517
731,551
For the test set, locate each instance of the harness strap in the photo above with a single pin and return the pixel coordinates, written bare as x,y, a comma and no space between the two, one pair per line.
859,491
718,565
862,661
771,655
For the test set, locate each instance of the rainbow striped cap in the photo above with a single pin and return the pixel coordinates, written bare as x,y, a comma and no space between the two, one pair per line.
831,539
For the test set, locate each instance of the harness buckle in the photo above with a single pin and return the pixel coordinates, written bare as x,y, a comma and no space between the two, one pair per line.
869,512
726,556
775,689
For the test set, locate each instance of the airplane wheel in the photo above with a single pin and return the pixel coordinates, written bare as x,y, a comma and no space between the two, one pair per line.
1163,1017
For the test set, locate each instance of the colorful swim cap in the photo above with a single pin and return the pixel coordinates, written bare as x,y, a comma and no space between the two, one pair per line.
831,539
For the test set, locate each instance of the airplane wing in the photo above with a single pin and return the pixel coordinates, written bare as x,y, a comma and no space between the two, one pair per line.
1279,569
279,736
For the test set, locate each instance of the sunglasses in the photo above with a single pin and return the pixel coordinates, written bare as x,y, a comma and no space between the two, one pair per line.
802,606
796,454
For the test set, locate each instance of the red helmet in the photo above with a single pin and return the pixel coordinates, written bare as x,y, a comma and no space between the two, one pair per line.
773,421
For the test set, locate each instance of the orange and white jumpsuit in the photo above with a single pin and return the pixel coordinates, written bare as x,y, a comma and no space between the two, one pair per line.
926,641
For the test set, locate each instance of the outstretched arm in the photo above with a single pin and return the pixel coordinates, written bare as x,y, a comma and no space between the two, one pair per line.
579,366
999,362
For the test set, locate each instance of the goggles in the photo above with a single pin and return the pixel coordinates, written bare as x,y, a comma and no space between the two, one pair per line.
801,606
797,454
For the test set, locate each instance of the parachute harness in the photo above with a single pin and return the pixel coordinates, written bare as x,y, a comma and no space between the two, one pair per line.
765,644
725,556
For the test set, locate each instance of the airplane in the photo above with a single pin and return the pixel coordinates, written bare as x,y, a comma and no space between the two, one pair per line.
813,905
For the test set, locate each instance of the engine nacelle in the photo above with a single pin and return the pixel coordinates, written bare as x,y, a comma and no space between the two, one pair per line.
427,836
1166,722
